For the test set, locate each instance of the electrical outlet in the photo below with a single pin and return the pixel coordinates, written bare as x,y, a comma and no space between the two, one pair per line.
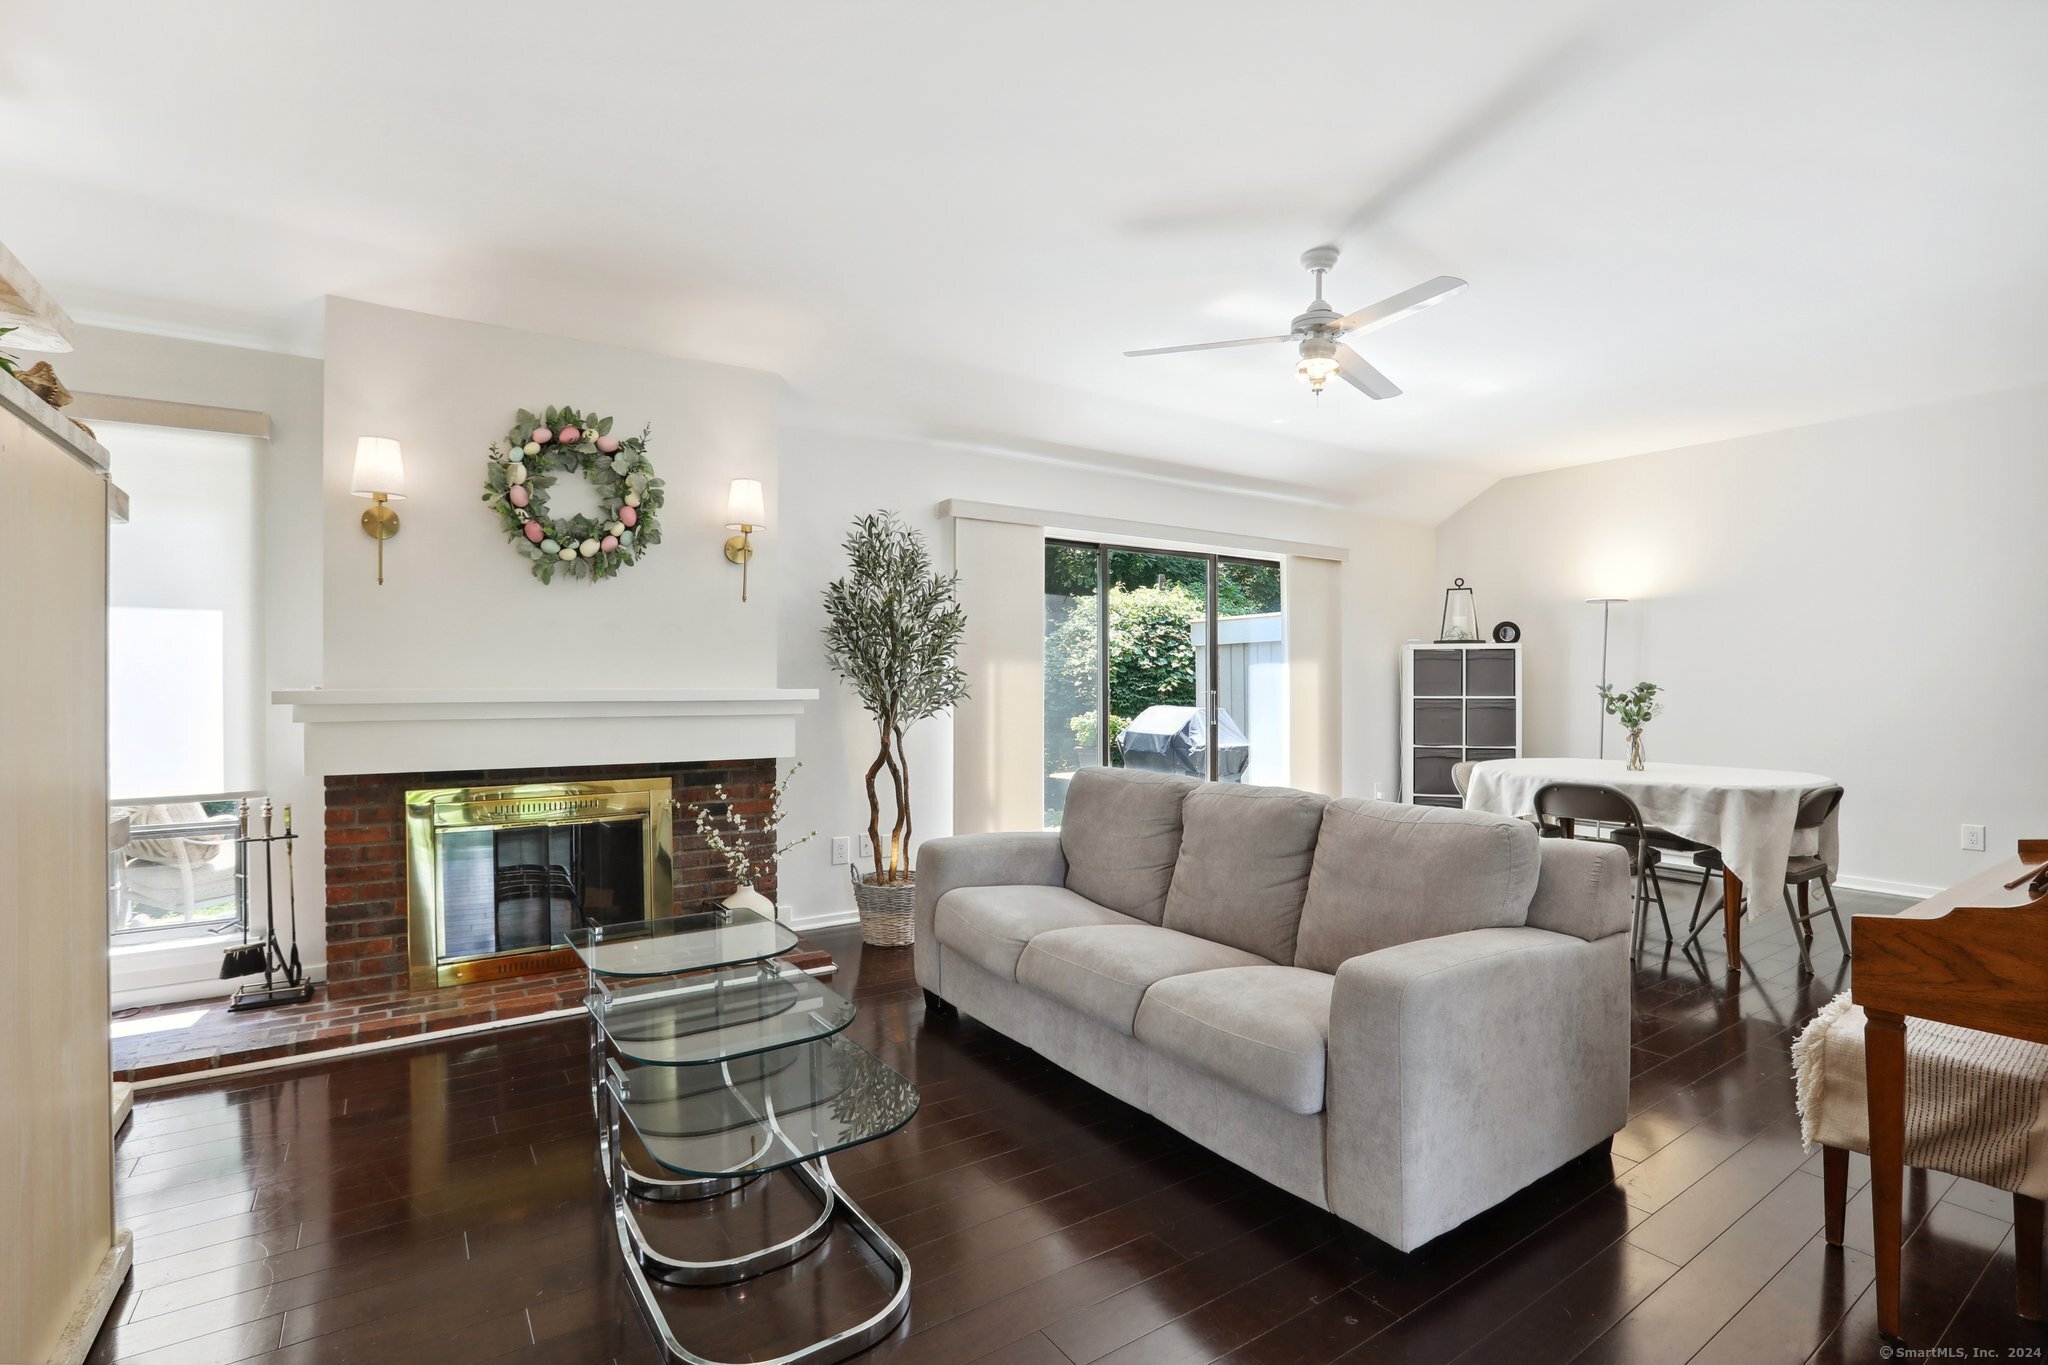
1379,791
842,851
1973,838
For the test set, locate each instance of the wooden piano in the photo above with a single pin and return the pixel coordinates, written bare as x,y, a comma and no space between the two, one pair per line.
1975,956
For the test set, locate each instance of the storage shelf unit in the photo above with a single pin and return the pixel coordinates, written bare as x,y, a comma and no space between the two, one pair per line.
1458,702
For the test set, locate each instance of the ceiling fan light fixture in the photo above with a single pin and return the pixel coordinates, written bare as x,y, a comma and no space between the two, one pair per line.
1318,362
1319,331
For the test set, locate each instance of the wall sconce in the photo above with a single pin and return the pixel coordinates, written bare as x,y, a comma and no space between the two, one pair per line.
745,513
380,474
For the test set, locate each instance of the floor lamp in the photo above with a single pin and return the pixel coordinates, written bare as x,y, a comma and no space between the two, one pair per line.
1606,605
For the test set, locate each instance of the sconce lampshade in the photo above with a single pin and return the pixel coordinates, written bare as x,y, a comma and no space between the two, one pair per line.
744,507
380,468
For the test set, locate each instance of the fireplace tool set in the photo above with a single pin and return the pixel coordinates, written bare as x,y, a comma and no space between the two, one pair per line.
284,977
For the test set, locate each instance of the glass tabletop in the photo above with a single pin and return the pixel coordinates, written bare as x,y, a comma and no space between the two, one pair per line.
767,1111
679,943
716,1016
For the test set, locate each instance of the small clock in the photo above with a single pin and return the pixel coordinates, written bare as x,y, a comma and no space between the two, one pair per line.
1507,633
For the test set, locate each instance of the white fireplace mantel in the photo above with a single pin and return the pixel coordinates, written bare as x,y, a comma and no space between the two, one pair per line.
451,730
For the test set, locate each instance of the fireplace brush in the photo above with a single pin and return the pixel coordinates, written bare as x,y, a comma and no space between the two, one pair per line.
244,958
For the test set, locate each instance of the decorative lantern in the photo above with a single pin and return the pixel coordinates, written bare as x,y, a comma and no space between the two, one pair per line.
1461,618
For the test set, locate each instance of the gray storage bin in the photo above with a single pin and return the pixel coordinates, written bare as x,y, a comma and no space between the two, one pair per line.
1482,755
1490,673
1439,722
1450,802
1439,673
1488,723
1433,771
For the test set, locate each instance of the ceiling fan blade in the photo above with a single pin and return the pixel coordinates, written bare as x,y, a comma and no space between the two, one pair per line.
1210,345
1363,377
1402,304
1611,43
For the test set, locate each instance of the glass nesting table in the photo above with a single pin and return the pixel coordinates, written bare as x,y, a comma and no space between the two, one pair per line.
725,1066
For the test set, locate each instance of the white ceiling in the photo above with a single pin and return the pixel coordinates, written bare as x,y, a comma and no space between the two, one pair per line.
1681,221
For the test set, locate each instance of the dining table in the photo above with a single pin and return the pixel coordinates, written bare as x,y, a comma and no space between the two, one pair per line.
1747,814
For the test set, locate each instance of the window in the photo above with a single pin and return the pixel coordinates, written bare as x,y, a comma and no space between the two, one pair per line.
1133,638
184,673
181,872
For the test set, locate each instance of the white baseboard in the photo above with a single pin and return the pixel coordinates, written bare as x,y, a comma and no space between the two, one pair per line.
1878,885
1875,885
91,1313
831,921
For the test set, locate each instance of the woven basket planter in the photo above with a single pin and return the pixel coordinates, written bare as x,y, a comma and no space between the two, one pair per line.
888,913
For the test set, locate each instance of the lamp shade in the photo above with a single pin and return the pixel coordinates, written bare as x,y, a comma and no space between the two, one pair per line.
744,506
380,468
1461,618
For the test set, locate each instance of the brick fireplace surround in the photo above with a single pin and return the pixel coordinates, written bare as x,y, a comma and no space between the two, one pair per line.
366,898
368,996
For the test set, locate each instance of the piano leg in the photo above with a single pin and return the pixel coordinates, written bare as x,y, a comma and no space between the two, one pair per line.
1884,1066
2026,1225
1835,1190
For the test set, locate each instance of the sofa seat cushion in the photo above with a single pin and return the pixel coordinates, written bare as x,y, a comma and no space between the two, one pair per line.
1387,874
1103,971
1261,1029
1120,833
989,925
1244,866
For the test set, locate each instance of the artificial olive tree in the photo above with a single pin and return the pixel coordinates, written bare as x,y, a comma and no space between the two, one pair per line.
892,632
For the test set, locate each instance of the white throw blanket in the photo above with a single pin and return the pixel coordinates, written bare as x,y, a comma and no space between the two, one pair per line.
1976,1103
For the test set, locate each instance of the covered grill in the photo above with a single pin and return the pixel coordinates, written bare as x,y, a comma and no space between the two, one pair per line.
1174,739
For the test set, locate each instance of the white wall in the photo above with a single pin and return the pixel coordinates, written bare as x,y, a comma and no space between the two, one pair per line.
459,606
1389,594
288,475
829,477
1861,598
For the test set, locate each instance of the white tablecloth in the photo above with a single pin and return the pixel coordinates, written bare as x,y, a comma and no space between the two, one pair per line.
1746,813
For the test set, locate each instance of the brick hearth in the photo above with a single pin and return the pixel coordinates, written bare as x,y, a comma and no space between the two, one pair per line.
178,1040
367,930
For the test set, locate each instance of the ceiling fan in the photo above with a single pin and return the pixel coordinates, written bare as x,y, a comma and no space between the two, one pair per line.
1319,331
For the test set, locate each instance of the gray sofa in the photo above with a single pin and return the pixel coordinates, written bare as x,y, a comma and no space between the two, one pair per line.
1401,1014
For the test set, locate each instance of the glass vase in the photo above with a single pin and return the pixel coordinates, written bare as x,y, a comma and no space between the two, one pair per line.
1635,751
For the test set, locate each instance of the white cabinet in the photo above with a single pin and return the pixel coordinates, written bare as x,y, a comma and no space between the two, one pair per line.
1459,703
61,1260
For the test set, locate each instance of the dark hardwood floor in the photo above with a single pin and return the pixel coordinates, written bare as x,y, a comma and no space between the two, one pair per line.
442,1204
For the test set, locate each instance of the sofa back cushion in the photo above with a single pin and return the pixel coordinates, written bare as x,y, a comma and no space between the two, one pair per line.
1387,874
1121,835
1244,865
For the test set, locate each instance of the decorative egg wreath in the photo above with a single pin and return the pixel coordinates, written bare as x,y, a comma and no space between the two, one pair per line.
562,440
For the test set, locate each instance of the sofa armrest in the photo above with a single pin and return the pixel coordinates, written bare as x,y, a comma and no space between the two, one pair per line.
1583,888
1461,1068
1003,859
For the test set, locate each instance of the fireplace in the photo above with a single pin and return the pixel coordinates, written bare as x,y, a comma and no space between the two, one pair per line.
495,874
369,901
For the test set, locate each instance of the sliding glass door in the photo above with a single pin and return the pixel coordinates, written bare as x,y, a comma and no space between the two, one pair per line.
1133,640
1073,668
